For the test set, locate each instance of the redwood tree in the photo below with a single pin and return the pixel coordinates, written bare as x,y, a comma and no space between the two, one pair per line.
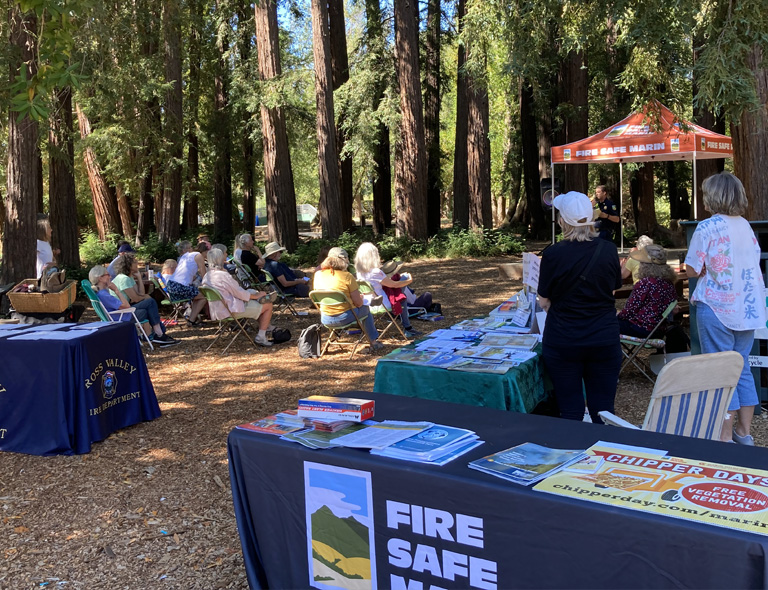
61,180
479,155
411,165
460,178
222,167
328,164
168,222
432,116
22,185
278,175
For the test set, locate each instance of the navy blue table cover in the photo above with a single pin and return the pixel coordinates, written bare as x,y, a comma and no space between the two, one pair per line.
60,396
536,540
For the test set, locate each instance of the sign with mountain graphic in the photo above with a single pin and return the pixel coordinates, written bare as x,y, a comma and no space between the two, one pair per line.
339,509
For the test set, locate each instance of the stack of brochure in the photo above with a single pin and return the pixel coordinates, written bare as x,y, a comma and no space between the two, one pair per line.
364,435
436,446
279,424
527,463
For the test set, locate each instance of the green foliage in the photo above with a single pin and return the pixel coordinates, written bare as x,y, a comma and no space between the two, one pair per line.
153,250
447,244
94,251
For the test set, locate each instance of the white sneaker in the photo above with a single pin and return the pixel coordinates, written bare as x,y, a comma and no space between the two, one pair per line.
262,340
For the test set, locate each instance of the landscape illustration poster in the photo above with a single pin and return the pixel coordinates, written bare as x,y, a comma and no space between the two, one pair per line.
339,515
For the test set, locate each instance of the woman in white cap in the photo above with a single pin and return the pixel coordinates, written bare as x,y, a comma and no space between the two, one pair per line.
333,276
291,281
581,336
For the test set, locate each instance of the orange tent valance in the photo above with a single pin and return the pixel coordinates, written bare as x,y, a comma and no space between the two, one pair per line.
633,140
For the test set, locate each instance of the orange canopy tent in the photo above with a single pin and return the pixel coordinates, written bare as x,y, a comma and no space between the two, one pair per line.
654,134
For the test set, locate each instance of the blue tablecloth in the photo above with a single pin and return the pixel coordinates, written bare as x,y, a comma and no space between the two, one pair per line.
520,389
58,395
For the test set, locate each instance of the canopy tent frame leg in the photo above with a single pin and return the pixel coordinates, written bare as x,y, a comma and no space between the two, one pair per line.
621,203
695,207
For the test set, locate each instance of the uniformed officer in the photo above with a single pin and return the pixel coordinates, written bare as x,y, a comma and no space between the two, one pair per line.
608,219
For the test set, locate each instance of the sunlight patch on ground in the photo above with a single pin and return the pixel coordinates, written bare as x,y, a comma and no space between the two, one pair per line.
160,455
165,406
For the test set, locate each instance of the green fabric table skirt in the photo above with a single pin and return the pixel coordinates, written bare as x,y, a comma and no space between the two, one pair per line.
519,390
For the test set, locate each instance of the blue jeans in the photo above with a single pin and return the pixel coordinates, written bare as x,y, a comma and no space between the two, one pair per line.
715,337
342,319
147,310
597,366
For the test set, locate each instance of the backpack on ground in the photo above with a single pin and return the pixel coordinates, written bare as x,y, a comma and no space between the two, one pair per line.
309,342
280,335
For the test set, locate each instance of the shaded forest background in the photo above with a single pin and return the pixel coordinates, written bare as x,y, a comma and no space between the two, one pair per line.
146,119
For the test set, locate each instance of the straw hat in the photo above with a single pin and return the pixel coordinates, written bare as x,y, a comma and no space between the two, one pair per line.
651,254
273,247
390,267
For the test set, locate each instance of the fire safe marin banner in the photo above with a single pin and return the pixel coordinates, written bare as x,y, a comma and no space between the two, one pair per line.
720,495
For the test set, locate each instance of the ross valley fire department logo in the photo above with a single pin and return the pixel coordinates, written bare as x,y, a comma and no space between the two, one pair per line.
109,384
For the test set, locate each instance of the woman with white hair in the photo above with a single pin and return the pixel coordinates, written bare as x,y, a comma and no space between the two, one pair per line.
333,276
247,252
180,285
240,302
112,298
581,335
630,266
368,268
725,254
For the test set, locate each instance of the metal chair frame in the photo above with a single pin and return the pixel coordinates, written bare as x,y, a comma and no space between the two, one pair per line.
285,300
213,295
630,349
329,297
381,313
109,316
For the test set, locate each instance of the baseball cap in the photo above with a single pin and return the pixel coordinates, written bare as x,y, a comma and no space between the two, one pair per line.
575,208
125,248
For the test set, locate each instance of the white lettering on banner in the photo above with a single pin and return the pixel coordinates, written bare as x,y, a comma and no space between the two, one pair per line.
425,559
718,145
2,389
400,583
2,432
619,149
646,147
586,153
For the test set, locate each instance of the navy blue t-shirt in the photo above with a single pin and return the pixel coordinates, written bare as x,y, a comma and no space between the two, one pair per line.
583,312
605,224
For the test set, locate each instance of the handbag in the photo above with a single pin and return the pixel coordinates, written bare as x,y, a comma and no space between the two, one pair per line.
53,281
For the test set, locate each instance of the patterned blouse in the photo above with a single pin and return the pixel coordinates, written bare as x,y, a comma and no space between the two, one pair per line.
649,299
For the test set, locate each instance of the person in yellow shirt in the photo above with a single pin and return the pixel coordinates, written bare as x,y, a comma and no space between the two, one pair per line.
333,276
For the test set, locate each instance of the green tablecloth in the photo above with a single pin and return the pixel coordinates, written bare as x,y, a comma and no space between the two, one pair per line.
519,390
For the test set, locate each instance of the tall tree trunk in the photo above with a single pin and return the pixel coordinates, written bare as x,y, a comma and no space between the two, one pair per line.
382,182
124,208
328,163
246,143
411,167
169,219
222,168
478,154
104,202
643,200
511,174
460,178
146,221
576,86
750,142
19,226
61,181
340,68
529,137
432,116
278,174
39,173
190,214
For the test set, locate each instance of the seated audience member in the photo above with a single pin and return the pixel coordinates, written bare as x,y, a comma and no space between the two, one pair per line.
249,254
169,267
180,285
123,248
631,266
368,267
651,295
242,303
290,280
333,276
203,239
45,254
113,298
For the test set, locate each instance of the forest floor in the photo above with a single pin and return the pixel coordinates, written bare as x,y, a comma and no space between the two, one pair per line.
151,507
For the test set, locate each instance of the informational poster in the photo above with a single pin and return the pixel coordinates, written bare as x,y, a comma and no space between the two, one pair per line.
720,495
531,264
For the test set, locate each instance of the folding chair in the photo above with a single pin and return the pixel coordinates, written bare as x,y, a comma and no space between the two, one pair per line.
691,396
245,275
213,295
109,316
381,315
632,345
284,300
335,298
179,306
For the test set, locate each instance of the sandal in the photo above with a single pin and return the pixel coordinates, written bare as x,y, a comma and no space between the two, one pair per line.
196,324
